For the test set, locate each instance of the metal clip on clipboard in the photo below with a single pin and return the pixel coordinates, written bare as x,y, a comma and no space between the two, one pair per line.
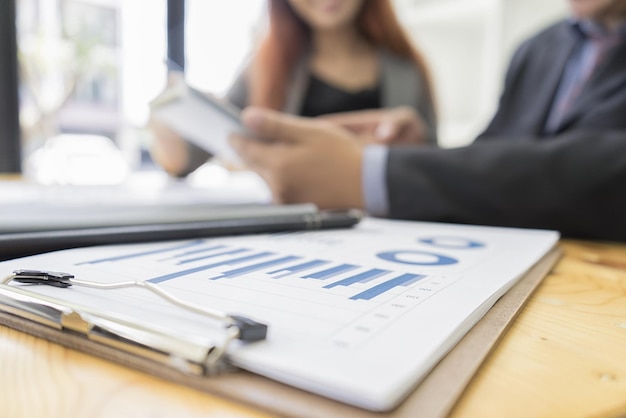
119,333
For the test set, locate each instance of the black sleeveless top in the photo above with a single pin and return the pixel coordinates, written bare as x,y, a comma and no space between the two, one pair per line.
323,98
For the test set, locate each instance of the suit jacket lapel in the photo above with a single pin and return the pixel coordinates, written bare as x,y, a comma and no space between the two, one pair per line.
609,78
399,84
298,86
554,62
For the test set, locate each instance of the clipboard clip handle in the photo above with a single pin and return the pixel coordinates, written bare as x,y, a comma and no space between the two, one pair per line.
245,329
50,278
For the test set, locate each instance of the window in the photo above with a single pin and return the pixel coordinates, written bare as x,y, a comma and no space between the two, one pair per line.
220,36
91,67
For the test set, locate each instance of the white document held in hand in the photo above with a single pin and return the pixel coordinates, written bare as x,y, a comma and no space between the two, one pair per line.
203,119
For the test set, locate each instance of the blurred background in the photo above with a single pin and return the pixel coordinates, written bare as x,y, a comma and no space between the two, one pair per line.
89,68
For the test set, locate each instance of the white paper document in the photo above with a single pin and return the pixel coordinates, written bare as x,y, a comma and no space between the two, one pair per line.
358,315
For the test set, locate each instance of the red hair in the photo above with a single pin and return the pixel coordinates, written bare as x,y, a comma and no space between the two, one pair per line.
288,36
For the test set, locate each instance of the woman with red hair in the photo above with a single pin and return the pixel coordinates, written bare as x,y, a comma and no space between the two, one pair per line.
322,57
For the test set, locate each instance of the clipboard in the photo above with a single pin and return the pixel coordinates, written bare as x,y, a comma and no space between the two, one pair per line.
433,396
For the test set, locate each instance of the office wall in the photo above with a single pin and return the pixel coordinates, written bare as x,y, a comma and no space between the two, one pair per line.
468,44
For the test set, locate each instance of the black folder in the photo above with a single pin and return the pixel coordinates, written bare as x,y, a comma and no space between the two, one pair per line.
36,229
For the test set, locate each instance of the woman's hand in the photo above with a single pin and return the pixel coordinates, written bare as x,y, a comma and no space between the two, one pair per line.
399,125
169,149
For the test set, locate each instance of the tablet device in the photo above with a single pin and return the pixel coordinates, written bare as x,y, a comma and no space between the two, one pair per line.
203,119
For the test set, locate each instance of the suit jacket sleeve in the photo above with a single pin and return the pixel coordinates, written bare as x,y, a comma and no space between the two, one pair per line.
238,92
574,184
404,84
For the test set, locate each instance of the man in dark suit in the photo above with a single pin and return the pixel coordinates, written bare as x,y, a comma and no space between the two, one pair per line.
571,76
554,155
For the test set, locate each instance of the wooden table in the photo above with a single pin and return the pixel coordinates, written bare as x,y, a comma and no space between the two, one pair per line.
565,356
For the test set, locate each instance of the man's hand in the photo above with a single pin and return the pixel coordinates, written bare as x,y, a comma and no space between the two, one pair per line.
303,160
400,125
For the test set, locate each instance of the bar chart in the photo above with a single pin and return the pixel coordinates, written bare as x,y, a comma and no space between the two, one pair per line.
334,300
268,263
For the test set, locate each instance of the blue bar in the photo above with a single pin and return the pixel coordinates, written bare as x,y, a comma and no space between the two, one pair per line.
359,278
255,267
135,255
204,257
327,274
297,268
410,282
207,267
378,290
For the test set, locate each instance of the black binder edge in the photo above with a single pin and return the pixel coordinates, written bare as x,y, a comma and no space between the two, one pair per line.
13,245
